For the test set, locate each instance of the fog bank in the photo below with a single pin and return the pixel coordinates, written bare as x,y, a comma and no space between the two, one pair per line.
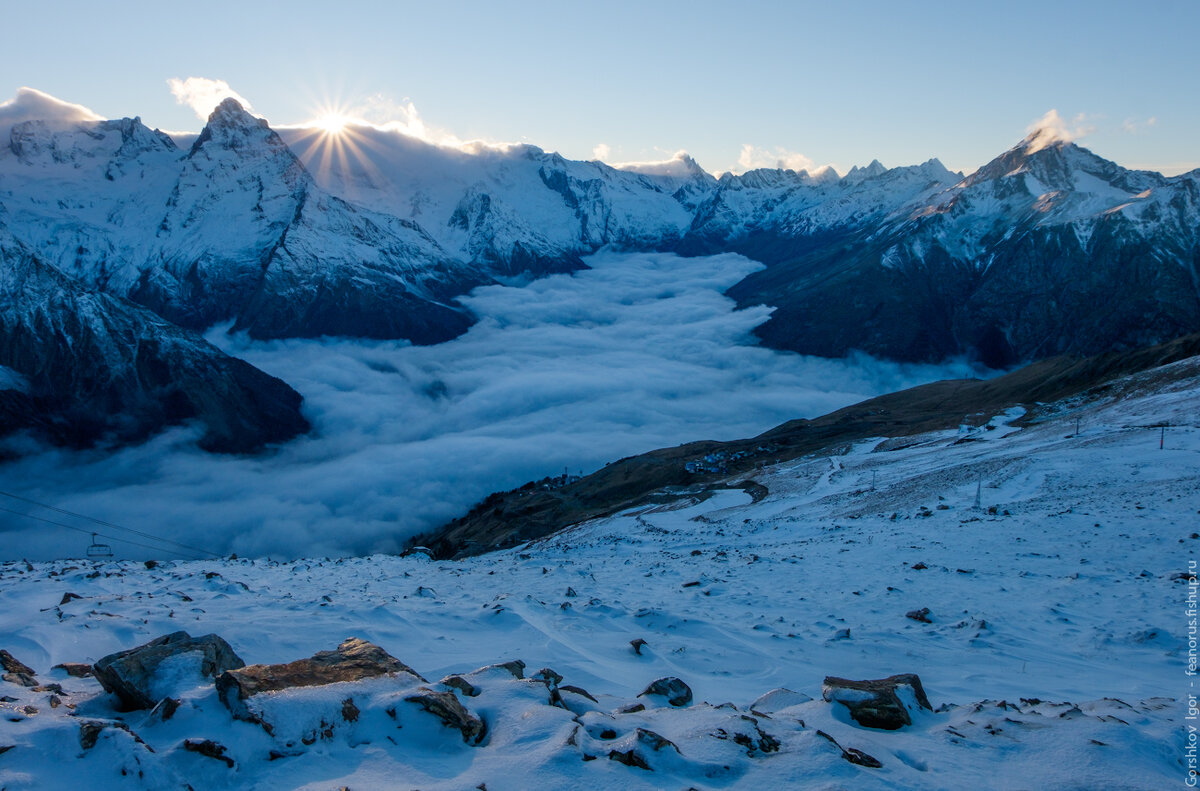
641,351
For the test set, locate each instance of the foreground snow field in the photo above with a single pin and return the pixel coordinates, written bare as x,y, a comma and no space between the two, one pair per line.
1054,653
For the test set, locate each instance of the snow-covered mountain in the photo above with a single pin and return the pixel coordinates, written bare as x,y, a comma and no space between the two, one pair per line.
370,232
233,228
512,209
762,209
80,365
1048,249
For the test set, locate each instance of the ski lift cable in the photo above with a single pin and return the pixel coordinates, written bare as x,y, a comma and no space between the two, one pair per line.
108,525
80,529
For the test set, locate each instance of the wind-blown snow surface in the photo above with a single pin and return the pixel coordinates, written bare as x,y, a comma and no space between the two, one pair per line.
640,352
1057,596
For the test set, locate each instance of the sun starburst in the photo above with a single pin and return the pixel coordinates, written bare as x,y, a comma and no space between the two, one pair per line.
334,141
333,123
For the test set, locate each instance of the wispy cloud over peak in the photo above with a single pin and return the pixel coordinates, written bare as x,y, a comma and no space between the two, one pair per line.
203,94
1135,126
753,157
1052,128
31,104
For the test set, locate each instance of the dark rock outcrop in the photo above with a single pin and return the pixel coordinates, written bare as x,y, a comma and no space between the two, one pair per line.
13,665
461,684
629,758
209,749
165,709
877,703
574,690
130,675
75,669
548,677
97,367
447,708
673,689
90,730
514,666
853,754
16,671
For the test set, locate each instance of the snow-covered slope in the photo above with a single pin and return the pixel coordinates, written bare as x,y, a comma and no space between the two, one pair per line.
1052,559
515,208
82,366
756,210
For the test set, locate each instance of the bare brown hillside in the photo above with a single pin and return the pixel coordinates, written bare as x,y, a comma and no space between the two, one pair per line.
504,519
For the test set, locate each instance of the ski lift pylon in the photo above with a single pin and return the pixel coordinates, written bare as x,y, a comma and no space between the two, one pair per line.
98,550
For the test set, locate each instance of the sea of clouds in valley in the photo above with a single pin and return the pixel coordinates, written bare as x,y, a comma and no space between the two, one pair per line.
571,371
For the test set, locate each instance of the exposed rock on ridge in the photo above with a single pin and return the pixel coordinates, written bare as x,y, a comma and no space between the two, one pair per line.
98,367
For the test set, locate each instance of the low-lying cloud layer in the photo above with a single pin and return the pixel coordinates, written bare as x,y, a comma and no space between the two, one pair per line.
640,352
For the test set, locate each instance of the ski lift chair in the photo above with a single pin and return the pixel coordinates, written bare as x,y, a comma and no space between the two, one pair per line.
98,550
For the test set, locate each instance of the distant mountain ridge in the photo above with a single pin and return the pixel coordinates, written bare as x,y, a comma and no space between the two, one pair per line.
910,263
1048,249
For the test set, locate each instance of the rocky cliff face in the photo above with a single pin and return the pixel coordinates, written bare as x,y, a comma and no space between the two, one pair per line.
83,366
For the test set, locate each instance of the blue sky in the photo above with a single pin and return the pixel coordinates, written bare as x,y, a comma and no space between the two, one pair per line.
797,82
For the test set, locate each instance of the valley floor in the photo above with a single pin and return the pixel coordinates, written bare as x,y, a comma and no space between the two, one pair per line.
1054,653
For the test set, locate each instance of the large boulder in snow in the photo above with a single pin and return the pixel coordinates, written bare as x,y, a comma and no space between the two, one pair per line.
447,708
142,676
673,689
354,660
11,664
880,703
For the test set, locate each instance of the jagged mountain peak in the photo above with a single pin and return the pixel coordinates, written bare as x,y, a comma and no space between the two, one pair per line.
241,210
680,164
688,161
934,166
137,137
231,126
1059,164
876,168
231,113
777,178
76,143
